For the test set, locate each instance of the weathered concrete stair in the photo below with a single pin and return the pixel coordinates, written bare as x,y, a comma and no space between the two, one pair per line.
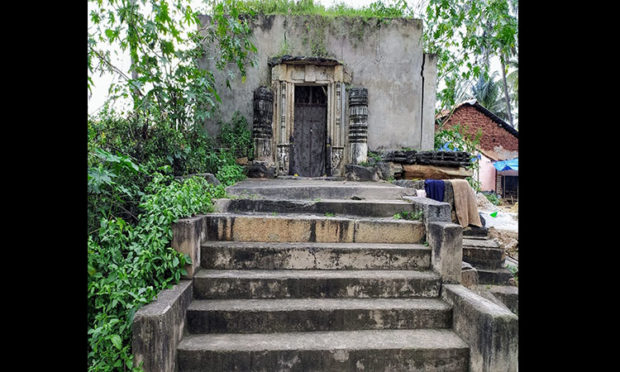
366,208
282,287
489,260
233,255
311,228
220,284
337,351
312,190
309,315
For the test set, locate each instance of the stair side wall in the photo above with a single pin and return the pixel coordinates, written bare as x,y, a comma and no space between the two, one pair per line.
158,328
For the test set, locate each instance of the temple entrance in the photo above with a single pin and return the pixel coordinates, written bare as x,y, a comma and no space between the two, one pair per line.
309,133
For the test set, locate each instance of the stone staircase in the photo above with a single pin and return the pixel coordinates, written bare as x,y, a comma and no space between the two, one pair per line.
488,258
322,279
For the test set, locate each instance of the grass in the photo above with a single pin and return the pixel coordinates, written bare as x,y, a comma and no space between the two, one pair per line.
307,7
404,215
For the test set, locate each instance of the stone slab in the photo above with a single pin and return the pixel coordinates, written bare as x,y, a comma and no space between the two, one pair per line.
309,189
310,228
306,315
238,284
347,207
435,172
325,256
369,350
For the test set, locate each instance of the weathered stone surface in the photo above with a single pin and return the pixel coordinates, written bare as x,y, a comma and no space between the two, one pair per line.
260,170
388,170
187,234
483,254
469,275
355,172
403,183
315,189
432,209
229,284
158,327
212,179
430,350
366,208
311,315
445,240
434,172
309,228
500,276
491,331
507,294
324,256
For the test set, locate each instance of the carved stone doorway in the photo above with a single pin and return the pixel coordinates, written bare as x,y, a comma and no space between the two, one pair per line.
309,142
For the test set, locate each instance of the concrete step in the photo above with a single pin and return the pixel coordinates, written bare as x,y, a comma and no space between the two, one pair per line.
307,315
309,228
313,189
237,284
507,294
368,350
494,276
348,207
483,254
318,256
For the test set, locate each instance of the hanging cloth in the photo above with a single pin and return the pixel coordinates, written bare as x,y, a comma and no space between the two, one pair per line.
465,203
434,189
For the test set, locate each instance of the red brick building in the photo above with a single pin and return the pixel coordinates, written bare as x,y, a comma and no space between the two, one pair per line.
499,141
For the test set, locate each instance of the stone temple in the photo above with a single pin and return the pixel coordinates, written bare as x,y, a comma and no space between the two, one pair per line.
321,275
326,90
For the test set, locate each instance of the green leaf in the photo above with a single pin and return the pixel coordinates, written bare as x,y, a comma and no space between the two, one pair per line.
116,341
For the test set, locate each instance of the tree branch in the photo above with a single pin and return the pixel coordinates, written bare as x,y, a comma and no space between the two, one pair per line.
112,67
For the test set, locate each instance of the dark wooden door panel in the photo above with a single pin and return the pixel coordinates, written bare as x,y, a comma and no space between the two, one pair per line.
309,133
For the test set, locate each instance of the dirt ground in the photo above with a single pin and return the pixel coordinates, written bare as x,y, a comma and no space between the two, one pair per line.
504,227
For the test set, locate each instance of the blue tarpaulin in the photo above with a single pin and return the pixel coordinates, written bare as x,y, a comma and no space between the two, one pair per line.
505,165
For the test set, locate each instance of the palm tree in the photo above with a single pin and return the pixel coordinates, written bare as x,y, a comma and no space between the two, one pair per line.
489,94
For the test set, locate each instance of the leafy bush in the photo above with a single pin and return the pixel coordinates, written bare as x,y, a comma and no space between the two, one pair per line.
129,264
493,198
230,174
457,138
236,138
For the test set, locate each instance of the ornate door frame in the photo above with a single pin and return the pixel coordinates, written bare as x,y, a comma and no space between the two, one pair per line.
285,74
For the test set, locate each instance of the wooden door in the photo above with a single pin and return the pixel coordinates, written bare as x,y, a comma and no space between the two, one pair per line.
309,133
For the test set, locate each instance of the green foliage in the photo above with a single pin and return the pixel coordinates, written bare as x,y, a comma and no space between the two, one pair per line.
329,214
515,272
464,34
129,264
488,93
230,174
377,9
236,138
493,198
409,215
459,138
166,42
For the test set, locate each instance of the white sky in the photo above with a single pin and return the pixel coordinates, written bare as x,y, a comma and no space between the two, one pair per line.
102,83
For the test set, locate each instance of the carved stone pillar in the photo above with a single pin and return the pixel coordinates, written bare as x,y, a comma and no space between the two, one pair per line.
261,130
358,125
